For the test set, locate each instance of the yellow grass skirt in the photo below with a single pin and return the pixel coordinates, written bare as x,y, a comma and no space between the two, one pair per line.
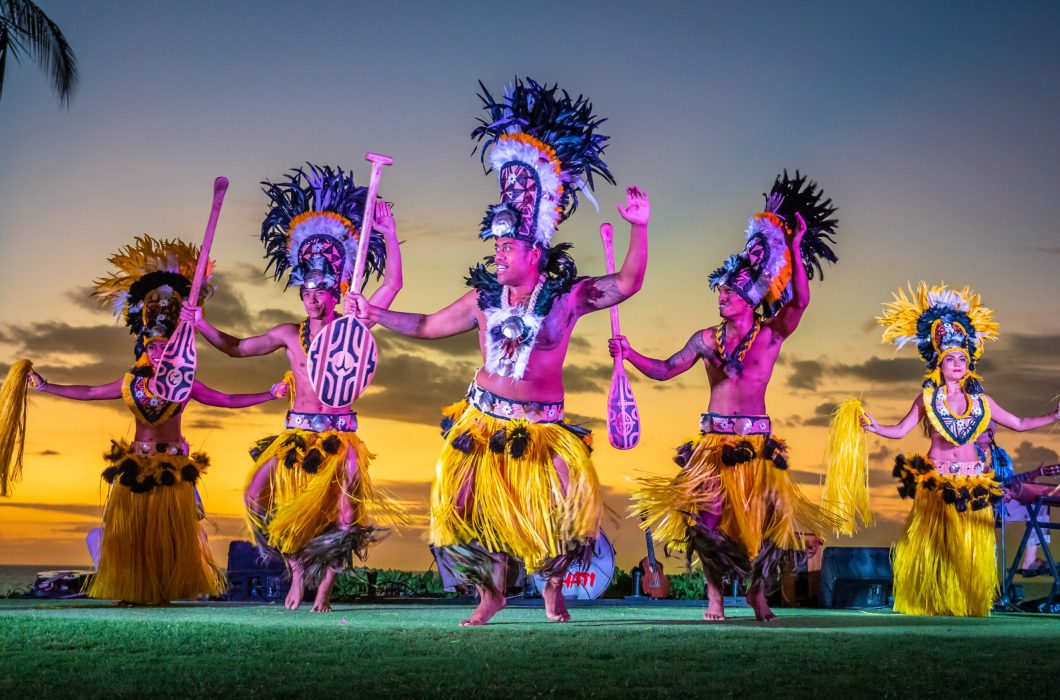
312,472
154,549
730,484
944,561
496,485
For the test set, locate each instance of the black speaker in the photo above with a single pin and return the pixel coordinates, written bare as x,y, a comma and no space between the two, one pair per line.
251,577
856,577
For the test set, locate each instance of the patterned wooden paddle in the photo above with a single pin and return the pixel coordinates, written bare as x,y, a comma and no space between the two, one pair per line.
623,418
342,357
176,370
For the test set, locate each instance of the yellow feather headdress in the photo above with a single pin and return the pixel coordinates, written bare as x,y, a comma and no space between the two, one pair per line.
150,281
939,319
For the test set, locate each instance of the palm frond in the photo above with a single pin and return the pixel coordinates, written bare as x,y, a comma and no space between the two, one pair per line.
25,29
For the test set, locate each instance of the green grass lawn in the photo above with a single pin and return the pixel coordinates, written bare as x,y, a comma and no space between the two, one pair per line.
79,648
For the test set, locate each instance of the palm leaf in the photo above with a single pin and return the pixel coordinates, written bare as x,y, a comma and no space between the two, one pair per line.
26,30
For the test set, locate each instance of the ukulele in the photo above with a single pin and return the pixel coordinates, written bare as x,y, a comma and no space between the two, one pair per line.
1050,470
655,583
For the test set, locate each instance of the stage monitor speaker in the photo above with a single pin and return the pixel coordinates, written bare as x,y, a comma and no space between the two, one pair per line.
251,577
856,577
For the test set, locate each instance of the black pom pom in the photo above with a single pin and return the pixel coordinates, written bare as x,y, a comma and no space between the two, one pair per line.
683,454
168,478
979,492
979,503
961,506
129,471
775,452
920,464
446,424
109,473
929,483
116,452
949,495
290,459
463,442
518,441
498,440
741,452
147,484
189,473
312,460
899,466
332,444
903,491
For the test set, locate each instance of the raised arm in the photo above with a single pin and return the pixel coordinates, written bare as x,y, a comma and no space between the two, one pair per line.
595,293
788,318
458,317
383,297
230,345
211,397
676,364
1020,425
904,426
78,392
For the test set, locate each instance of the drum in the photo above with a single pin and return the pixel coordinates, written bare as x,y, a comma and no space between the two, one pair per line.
587,582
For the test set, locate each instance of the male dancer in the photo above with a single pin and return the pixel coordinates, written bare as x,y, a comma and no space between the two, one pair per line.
733,505
515,479
309,496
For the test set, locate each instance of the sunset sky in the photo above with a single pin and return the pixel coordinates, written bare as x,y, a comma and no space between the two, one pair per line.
932,126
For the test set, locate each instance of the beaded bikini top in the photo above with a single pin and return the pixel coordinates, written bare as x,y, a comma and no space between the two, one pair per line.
147,407
957,429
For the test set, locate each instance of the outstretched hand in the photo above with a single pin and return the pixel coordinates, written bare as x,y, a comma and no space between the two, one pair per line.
868,423
383,221
618,346
799,232
637,210
35,381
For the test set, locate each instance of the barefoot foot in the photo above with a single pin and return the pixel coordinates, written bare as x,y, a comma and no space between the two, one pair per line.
489,605
715,611
322,602
757,600
294,596
555,605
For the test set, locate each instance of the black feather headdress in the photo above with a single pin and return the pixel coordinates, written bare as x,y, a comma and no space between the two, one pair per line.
313,226
545,148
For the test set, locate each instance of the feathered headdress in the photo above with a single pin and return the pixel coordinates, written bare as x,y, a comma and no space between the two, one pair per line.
761,273
152,279
940,320
313,227
545,150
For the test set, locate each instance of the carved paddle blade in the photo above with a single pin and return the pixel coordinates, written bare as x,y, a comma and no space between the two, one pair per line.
341,362
176,370
623,418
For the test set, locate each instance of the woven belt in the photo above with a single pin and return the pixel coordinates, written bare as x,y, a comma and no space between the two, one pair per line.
960,468
147,447
510,409
735,425
322,422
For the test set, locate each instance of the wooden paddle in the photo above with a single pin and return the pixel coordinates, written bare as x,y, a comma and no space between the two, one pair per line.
623,419
342,357
175,374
